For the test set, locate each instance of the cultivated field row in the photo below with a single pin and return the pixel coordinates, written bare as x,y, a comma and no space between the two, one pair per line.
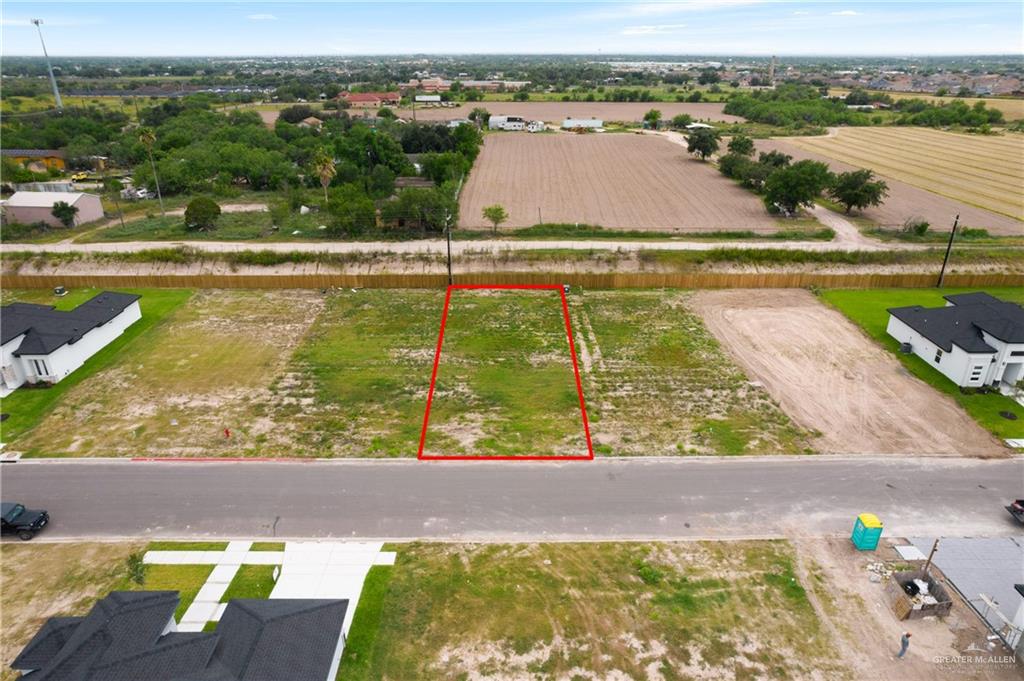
939,162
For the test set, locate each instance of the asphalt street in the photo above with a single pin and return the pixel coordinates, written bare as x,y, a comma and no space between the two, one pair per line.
601,499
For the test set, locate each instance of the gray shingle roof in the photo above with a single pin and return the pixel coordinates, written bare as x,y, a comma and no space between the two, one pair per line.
962,322
38,153
47,329
122,639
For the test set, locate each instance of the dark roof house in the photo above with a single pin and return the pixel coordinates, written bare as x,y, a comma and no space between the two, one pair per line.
129,636
962,322
46,328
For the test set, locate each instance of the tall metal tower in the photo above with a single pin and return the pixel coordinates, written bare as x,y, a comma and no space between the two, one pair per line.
53,81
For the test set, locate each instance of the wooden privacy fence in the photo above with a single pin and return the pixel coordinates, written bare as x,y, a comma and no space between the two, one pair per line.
587,279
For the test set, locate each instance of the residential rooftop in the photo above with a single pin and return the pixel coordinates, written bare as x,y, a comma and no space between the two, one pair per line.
962,322
46,328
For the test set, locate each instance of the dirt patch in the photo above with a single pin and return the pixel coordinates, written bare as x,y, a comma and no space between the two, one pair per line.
830,377
556,112
46,580
866,633
618,181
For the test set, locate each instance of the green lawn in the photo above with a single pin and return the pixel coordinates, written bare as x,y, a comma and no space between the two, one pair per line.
251,581
187,580
28,406
230,227
867,308
267,546
597,610
187,546
357,661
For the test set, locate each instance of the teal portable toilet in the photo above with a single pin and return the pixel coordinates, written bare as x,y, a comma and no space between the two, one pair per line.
866,532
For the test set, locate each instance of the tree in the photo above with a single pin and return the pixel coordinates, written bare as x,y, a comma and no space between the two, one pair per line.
495,215
858,189
352,212
703,142
789,188
521,96
323,166
652,117
480,116
942,92
201,214
385,112
742,145
681,121
708,77
294,114
147,136
695,96
65,212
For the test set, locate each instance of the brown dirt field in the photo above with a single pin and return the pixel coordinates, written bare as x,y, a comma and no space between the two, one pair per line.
556,112
618,181
906,200
828,376
866,633
45,580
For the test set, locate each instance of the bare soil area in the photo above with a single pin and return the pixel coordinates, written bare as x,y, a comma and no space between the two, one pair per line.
907,201
620,181
556,112
830,377
866,633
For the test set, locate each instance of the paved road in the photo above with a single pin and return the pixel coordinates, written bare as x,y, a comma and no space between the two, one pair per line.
602,499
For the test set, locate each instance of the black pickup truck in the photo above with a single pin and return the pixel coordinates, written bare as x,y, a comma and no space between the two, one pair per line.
16,519
1016,509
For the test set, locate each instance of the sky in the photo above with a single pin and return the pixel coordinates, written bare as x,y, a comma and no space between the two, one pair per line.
710,27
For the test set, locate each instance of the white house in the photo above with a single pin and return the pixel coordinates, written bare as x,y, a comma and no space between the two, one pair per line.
29,208
699,126
536,126
582,123
40,344
975,340
506,123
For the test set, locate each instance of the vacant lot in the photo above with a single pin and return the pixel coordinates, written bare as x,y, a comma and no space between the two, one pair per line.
976,170
658,383
619,181
830,377
867,309
1013,109
505,382
598,611
204,368
556,112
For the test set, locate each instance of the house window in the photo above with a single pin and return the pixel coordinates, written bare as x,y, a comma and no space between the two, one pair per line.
40,367
938,355
976,372
1017,353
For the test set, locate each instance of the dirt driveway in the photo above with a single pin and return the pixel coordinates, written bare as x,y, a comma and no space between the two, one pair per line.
830,377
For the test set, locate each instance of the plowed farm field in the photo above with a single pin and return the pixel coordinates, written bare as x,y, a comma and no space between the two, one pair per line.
617,181
981,171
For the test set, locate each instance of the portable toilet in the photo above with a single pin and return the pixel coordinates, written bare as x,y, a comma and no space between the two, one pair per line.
866,532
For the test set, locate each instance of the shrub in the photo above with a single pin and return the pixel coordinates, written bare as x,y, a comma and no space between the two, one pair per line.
915,225
201,214
136,568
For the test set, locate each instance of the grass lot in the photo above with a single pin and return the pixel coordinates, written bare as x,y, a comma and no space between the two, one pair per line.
230,227
267,546
205,365
594,610
357,659
645,354
187,580
867,308
505,384
251,581
29,406
187,546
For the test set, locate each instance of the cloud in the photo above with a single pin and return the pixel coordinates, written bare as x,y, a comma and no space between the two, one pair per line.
800,13
656,9
845,13
262,17
659,29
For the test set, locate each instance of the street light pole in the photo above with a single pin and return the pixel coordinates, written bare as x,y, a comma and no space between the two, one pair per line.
53,81
448,235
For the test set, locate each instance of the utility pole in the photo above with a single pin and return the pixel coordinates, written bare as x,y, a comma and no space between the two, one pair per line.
928,563
949,247
448,234
53,81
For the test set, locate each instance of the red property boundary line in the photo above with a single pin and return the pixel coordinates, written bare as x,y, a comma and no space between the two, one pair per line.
575,369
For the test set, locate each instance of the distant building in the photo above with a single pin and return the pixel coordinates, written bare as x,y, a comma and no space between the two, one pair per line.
311,122
459,121
40,344
582,124
536,126
428,85
428,99
37,160
29,208
370,100
509,123
975,340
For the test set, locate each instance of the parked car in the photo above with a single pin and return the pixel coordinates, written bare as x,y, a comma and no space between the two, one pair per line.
78,177
16,519
1016,509
137,194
